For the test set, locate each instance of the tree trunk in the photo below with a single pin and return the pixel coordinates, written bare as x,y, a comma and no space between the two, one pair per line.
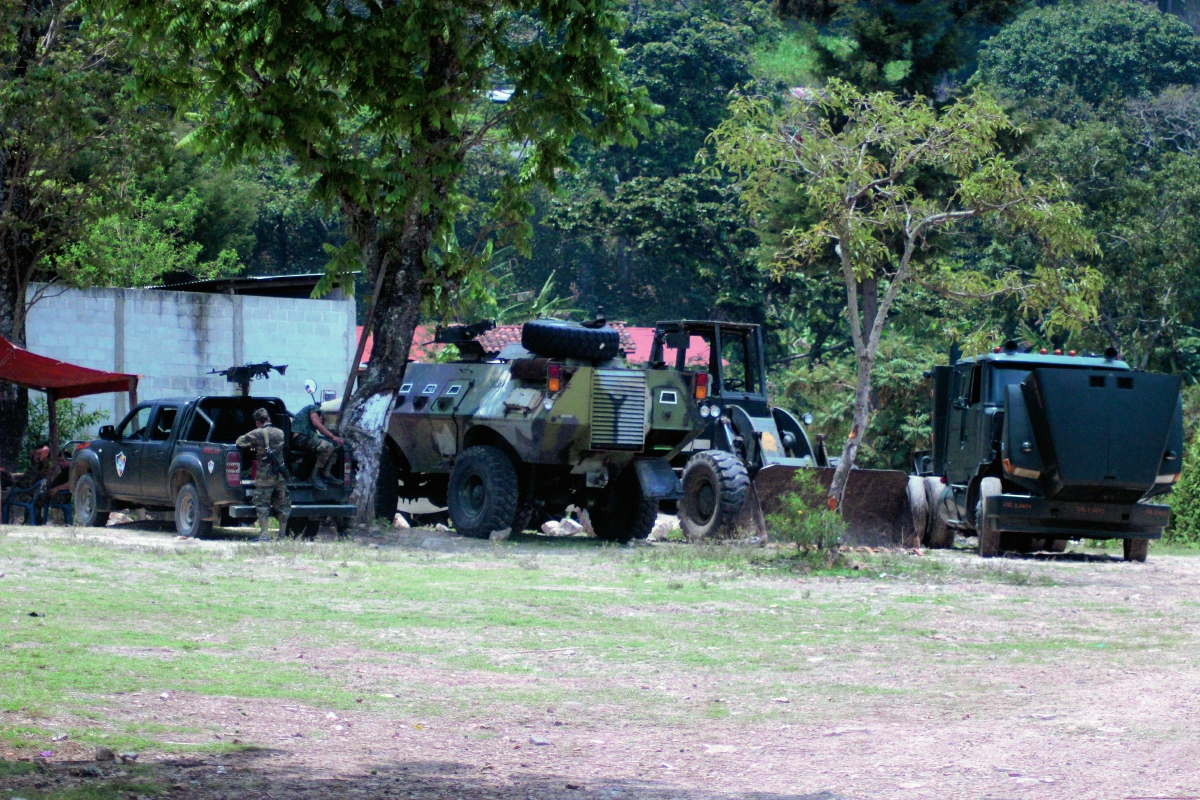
14,400
396,315
862,413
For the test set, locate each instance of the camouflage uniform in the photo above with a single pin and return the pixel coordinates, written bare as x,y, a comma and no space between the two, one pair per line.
270,487
306,438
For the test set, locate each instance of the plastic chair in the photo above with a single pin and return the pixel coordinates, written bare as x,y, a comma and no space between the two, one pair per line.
67,509
29,503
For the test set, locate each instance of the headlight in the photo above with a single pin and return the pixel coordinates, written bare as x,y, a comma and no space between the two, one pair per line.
704,411
808,418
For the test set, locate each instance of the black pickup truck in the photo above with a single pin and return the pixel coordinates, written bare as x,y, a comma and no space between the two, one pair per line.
179,454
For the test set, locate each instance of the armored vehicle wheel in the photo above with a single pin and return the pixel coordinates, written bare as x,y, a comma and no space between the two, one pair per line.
623,513
387,487
918,508
938,535
558,339
482,495
190,513
989,537
1136,549
1056,545
87,501
714,491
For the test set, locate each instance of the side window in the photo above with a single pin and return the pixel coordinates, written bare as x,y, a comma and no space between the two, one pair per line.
976,385
163,424
739,366
134,428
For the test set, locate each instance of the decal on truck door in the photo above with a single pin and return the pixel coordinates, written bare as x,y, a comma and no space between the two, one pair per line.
121,461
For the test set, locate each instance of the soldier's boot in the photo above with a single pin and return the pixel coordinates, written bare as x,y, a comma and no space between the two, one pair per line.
316,481
264,528
328,473
283,522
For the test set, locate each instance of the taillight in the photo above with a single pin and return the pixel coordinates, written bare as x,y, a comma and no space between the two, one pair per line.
233,468
701,388
346,472
553,378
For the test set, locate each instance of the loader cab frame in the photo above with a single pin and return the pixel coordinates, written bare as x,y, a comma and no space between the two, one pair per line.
731,353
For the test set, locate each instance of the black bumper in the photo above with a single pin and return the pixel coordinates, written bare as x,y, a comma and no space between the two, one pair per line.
1076,520
248,512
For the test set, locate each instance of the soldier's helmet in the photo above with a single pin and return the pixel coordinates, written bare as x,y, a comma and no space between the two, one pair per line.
261,415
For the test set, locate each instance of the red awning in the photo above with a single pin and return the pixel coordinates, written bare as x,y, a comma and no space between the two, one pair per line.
44,374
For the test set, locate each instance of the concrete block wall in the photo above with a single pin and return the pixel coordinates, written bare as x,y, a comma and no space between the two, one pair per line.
173,339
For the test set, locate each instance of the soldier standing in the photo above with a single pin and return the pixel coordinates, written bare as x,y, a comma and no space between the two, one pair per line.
310,435
270,480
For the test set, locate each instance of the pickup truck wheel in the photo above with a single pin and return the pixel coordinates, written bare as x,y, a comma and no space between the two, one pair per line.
940,535
304,527
190,513
1136,549
989,537
714,491
482,494
87,501
623,514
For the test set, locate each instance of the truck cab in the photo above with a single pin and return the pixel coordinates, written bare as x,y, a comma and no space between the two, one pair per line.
1033,448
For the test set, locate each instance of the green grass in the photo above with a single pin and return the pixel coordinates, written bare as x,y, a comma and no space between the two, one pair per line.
122,625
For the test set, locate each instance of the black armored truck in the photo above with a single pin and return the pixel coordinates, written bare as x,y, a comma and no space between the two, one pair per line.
1031,449
180,455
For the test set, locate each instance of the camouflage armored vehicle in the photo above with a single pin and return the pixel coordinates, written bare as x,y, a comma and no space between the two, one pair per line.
1033,449
506,439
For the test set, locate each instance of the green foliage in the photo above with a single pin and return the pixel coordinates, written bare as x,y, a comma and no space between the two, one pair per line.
804,518
900,399
1185,501
907,47
69,135
139,245
881,177
74,422
790,59
1097,50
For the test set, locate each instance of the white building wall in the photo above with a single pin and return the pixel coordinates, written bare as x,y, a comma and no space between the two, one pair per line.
172,339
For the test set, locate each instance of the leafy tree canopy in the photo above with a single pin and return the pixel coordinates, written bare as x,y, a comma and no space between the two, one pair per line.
1097,50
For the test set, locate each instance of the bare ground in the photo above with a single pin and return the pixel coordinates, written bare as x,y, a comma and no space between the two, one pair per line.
960,721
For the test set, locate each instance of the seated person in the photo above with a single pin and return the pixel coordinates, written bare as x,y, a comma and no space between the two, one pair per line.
309,435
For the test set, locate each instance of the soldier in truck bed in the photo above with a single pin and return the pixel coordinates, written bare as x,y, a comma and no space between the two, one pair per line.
270,483
310,435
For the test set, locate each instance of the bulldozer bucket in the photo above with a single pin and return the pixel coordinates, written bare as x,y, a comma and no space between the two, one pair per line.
875,506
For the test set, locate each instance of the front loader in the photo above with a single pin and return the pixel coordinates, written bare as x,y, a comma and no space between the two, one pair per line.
748,454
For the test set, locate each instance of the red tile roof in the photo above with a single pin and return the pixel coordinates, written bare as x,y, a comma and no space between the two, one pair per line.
635,341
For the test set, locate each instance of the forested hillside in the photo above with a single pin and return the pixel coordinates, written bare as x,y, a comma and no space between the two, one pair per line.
1100,102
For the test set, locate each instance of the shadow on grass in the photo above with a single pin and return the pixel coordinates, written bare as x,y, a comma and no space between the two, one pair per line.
255,772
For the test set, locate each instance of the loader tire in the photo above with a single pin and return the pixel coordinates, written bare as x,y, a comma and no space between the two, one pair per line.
482,494
714,491
989,537
918,508
558,339
939,535
1136,549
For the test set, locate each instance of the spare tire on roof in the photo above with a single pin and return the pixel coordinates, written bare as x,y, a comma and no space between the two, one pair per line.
558,339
